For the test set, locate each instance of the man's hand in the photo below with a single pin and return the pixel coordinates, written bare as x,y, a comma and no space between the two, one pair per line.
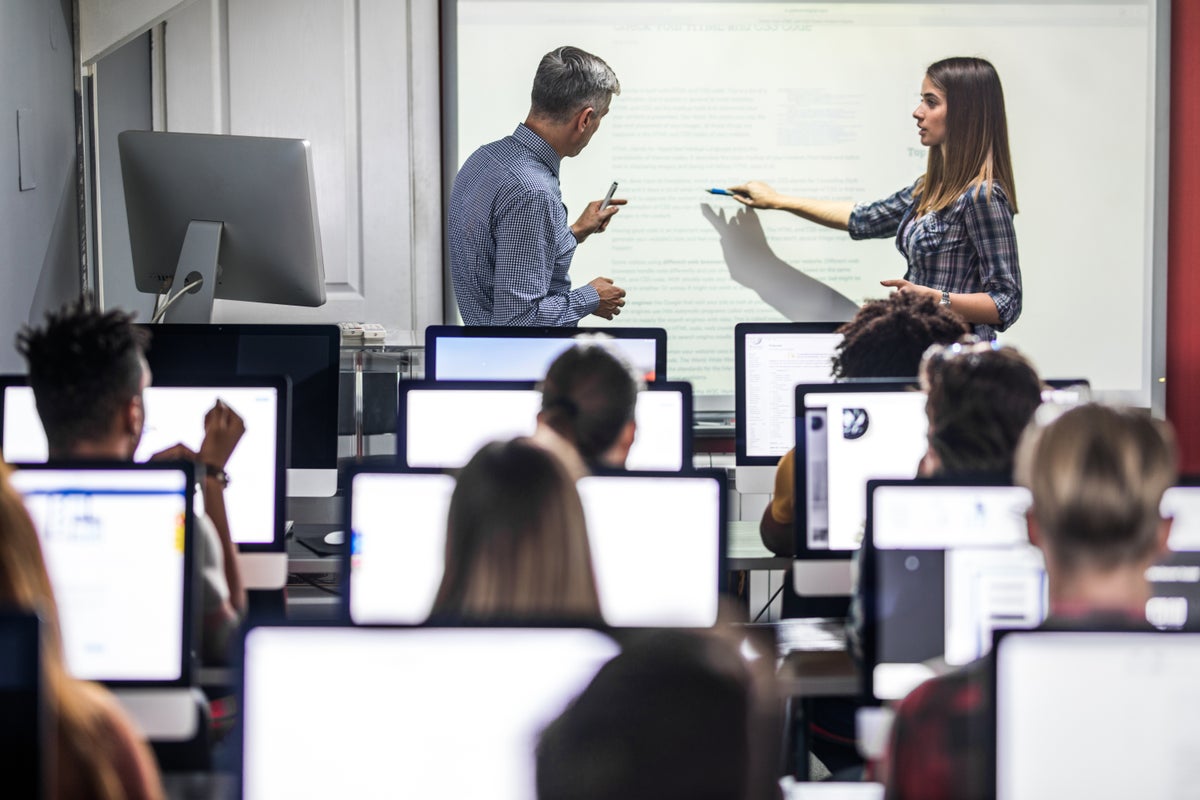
176,452
612,297
223,428
755,194
593,220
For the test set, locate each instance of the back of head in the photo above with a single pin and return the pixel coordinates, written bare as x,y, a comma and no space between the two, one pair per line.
568,80
516,540
887,337
588,397
980,399
1097,475
84,366
667,718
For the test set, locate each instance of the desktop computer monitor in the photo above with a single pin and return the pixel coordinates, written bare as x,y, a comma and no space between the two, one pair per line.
1095,714
309,355
657,541
770,358
443,424
945,563
420,712
501,353
239,213
119,546
175,415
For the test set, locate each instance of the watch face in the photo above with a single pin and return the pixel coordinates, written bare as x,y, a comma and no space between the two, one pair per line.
945,298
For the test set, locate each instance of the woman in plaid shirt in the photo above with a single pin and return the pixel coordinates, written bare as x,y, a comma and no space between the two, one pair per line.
954,224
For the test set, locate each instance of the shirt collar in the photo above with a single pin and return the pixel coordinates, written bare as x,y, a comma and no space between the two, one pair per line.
540,147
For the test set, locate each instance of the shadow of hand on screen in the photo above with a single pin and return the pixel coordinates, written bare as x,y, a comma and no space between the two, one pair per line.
753,264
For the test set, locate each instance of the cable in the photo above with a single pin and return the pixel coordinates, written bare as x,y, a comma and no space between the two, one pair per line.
313,583
771,600
162,312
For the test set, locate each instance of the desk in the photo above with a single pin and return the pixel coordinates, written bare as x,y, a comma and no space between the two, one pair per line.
746,551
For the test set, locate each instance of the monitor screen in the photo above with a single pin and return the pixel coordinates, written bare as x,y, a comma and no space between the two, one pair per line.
769,360
495,353
1088,714
430,713
851,433
117,540
637,523
947,564
307,354
441,424
175,415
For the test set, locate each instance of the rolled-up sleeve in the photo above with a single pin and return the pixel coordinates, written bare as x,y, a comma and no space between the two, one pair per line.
989,223
882,218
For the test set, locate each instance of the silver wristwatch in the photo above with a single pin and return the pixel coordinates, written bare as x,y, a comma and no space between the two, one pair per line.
946,299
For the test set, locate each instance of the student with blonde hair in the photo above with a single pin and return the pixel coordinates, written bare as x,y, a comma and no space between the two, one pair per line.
96,753
954,225
516,541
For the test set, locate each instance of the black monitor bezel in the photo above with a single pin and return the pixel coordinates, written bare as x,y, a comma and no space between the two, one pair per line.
435,332
740,332
192,608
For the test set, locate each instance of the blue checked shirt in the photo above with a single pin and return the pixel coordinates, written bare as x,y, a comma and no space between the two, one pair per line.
968,247
510,242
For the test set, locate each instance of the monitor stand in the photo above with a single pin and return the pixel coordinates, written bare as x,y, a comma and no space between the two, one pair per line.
312,482
263,570
822,577
164,715
197,261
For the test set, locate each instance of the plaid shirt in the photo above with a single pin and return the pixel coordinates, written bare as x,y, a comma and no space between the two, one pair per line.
968,247
510,243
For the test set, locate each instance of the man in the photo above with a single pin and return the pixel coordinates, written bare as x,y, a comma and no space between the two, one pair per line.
88,373
510,244
1097,476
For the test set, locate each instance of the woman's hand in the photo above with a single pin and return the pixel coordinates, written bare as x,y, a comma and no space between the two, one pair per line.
901,285
756,194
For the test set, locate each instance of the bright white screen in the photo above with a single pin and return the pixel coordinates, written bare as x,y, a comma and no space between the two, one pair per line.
397,559
889,444
1182,504
918,517
113,543
446,427
525,358
175,415
420,713
775,363
655,548
1097,715
816,99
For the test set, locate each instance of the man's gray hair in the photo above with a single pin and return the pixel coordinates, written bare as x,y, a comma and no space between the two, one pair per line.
569,79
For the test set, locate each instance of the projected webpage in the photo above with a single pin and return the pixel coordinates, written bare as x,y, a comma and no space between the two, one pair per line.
655,545
526,358
775,363
849,438
414,707
446,427
114,547
1056,738
952,564
690,117
175,415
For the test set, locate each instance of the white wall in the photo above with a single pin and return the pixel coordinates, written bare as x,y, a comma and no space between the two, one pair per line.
351,76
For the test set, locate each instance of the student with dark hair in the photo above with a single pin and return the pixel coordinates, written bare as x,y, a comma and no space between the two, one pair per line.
589,398
672,716
516,541
1097,475
97,752
88,372
886,339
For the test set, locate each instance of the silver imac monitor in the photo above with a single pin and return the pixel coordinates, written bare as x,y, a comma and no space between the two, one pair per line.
425,713
441,425
232,217
1096,714
636,522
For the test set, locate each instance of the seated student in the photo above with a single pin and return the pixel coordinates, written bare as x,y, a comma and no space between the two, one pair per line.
88,372
886,339
672,716
980,397
97,751
589,398
1097,475
516,541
